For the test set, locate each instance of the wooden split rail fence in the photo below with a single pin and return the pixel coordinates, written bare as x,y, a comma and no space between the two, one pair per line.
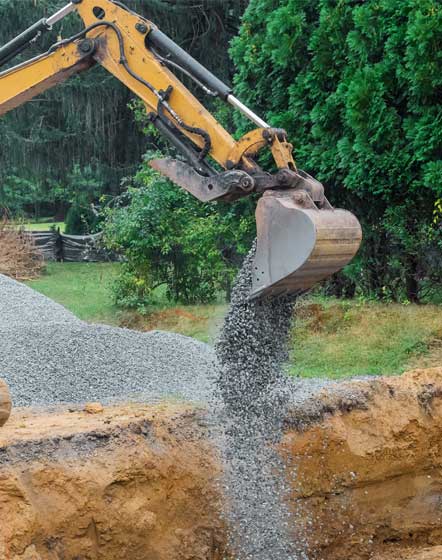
56,246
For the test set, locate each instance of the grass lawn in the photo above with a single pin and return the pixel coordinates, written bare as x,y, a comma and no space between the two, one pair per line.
44,226
342,338
197,321
83,288
331,338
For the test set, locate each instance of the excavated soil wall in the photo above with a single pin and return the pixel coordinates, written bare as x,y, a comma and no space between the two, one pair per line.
129,482
369,481
139,482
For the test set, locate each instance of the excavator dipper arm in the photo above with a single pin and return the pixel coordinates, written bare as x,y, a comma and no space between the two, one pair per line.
301,238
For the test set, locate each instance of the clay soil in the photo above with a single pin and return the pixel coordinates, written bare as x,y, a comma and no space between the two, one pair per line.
131,482
139,482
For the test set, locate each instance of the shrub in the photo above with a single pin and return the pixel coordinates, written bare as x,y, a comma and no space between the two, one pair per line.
358,85
169,238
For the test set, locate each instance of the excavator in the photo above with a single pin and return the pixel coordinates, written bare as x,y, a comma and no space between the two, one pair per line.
301,238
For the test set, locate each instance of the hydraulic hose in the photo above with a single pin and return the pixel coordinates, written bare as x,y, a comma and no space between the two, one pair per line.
19,43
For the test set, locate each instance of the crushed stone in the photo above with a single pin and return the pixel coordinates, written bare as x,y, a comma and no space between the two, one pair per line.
48,356
20,305
255,393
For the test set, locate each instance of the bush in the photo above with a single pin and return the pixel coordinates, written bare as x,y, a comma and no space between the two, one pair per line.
80,221
169,238
83,189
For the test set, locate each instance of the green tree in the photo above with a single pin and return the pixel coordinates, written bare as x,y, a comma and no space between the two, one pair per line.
17,195
358,86
82,192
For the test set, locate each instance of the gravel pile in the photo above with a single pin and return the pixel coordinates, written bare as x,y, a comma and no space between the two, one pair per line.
47,356
19,305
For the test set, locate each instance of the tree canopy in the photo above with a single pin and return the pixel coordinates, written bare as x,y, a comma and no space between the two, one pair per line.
358,87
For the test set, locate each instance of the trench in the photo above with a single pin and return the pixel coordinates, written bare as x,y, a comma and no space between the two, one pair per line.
140,482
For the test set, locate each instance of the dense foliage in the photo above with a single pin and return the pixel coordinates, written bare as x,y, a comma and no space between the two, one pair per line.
358,86
169,238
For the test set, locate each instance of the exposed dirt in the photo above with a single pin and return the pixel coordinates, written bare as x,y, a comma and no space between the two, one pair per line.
433,553
131,482
137,482
371,478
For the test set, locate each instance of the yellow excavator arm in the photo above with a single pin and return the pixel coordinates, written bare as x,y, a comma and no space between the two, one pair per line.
301,238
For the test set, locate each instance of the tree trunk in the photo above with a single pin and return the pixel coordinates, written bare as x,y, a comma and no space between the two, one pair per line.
412,282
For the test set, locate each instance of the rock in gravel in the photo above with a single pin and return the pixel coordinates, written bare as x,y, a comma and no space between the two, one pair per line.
94,408
5,403
47,356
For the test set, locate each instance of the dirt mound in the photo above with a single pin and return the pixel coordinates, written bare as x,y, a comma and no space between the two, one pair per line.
433,553
133,482
19,258
138,482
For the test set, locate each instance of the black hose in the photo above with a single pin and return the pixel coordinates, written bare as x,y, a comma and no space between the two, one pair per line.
171,64
161,41
123,61
19,43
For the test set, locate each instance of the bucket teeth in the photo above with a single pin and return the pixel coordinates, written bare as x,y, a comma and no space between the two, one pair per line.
299,246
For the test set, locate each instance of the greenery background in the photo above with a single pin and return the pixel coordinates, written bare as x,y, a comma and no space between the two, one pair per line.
78,141
358,87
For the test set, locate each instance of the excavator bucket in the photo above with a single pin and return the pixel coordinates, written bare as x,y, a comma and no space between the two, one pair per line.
300,243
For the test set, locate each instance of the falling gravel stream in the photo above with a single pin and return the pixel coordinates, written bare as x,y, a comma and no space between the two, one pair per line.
252,350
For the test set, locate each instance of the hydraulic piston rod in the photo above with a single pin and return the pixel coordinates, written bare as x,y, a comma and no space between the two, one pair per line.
161,41
22,41
247,112
58,16
19,43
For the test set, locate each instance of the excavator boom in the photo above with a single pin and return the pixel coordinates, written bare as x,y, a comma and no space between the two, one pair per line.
301,238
